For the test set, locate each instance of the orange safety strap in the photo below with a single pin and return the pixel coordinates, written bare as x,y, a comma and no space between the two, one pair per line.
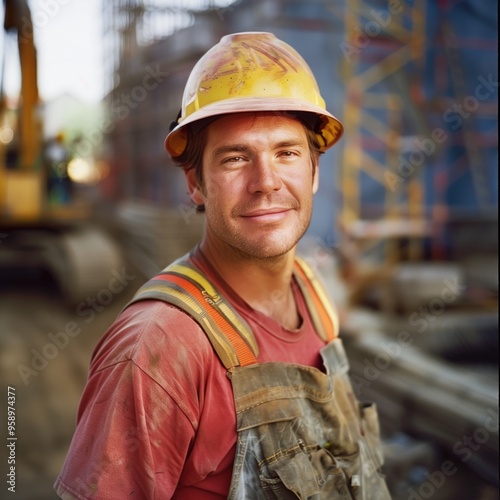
243,351
183,285
324,317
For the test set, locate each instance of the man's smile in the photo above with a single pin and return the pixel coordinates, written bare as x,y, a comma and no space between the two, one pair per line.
272,214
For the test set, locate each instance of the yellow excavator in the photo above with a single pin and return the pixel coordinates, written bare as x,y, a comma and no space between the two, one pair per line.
34,231
21,185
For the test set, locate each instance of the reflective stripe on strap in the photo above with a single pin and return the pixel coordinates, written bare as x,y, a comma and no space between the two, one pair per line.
324,317
183,286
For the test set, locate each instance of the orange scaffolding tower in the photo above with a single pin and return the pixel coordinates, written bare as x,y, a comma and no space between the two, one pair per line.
381,45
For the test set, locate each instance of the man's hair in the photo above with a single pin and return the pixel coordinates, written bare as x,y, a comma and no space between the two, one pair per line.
192,157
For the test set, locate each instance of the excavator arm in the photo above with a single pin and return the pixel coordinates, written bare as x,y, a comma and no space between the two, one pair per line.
18,19
21,178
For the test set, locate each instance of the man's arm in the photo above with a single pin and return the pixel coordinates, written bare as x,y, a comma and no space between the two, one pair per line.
122,446
142,396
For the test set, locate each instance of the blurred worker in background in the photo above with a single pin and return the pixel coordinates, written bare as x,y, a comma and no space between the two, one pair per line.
56,156
225,377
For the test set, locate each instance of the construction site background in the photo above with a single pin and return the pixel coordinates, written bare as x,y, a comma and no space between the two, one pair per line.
404,230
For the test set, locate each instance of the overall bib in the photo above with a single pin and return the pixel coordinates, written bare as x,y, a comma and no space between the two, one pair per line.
301,432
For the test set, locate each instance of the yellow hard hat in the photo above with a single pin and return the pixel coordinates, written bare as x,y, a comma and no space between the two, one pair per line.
251,71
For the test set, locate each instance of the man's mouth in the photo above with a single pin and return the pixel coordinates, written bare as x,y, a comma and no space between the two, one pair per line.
270,214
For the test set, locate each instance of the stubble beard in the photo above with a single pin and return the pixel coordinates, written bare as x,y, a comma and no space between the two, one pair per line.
246,246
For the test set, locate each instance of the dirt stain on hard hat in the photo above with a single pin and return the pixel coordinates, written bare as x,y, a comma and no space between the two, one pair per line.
247,57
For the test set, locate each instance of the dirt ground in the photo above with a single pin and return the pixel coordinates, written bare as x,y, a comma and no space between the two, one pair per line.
45,348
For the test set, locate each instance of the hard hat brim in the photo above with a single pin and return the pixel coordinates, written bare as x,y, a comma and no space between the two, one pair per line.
330,133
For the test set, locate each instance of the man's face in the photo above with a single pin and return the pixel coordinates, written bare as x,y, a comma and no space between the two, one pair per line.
258,184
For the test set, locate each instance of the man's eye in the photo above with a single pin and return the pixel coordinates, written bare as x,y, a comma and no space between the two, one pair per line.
233,159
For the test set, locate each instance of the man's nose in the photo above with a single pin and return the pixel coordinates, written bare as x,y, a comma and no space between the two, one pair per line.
264,176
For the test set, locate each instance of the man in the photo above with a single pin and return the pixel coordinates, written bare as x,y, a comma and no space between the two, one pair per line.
224,377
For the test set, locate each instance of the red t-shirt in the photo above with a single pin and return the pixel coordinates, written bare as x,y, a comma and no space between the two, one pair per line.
156,419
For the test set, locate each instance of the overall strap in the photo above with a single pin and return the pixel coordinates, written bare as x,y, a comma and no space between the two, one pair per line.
184,286
320,308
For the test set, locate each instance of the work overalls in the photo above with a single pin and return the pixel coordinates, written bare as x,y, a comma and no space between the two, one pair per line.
301,432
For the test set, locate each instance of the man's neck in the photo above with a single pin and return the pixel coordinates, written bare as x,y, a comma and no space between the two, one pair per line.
265,284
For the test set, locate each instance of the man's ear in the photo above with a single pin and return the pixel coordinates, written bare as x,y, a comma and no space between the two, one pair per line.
316,176
193,187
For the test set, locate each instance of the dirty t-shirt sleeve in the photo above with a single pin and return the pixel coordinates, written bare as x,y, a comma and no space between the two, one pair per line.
141,408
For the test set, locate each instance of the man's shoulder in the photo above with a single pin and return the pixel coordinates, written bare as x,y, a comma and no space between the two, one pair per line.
151,330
